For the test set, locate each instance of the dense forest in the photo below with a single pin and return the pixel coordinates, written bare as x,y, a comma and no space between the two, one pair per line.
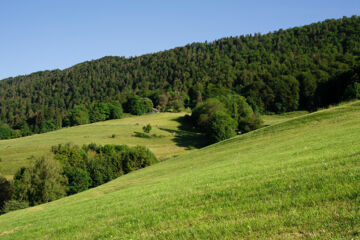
299,68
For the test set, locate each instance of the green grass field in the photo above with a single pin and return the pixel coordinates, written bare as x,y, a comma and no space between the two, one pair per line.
278,118
16,153
298,179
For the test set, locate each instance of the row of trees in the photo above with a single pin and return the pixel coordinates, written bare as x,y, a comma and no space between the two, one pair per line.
80,114
70,170
299,68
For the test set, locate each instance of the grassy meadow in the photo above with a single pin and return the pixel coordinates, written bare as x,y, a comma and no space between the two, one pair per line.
298,179
15,153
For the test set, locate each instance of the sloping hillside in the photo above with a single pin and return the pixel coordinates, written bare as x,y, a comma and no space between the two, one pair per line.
298,68
16,153
292,180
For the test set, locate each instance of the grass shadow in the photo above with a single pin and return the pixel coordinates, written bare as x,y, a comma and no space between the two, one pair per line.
187,136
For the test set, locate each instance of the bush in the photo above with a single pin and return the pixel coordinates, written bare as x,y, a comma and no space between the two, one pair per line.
219,117
99,171
99,111
47,126
93,165
140,106
147,128
136,158
69,154
116,110
221,127
77,116
352,91
78,179
6,132
40,183
142,135
13,205
6,191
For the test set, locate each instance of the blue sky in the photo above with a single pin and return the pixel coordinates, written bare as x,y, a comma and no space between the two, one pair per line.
47,34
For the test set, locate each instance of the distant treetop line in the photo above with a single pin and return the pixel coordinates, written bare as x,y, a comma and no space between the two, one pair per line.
299,68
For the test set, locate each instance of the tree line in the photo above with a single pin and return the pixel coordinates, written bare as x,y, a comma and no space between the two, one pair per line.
70,169
299,68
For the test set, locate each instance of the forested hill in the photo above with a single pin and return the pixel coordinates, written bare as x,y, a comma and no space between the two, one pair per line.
303,67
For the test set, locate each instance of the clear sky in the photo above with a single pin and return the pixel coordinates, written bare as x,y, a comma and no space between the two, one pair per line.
47,34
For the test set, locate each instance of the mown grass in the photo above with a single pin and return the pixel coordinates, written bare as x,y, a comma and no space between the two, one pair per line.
18,152
278,118
299,179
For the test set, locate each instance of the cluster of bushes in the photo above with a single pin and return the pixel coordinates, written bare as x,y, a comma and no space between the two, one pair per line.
70,170
220,117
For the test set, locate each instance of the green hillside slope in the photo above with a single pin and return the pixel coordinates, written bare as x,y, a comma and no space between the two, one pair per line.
299,68
16,153
292,180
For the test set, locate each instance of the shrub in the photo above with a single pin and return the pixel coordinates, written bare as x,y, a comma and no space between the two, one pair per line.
219,117
352,91
6,191
77,116
69,154
13,205
140,106
221,127
99,171
142,135
99,111
116,110
40,183
136,158
78,179
147,128
47,126
6,132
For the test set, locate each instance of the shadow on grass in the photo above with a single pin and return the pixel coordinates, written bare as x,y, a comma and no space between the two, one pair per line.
186,136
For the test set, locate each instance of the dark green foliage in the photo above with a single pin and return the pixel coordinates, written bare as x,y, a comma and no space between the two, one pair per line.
69,154
93,165
47,125
219,117
352,91
116,110
299,68
139,106
40,183
77,116
99,171
13,205
6,191
141,135
78,179
147,128
136,158
99,111
201,116
6,132
221,127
